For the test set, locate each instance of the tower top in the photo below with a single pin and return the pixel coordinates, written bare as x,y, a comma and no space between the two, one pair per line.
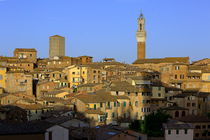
141,15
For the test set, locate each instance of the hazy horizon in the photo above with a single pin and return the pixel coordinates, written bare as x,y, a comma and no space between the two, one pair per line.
107,28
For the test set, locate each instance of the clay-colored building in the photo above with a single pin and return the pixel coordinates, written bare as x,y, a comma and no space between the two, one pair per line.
157,63
27,54
139,99
201,126
19,82
7,99
45,86
97,107
195,102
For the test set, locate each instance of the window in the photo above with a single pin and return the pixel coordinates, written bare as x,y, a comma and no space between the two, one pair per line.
94,106
175,76
140,27
193,104
169,132
177,132
50,135
177,114
177,67
159,88
128,93
1,77
204,126
182,76
136,93
73,73
115,104
185,131
183,113
30,55
117,92
137,115
113,114
124,104
136,103
197,135
124,115
159,95
101,104
203,134
198,127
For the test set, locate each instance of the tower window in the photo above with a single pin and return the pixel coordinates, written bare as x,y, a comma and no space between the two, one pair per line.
140,27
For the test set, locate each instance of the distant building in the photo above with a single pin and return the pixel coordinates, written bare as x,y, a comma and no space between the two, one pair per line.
57,46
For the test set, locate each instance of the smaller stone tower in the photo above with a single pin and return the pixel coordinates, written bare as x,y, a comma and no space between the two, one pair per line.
57,46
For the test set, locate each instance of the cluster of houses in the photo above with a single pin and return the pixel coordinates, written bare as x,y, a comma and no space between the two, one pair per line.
106,93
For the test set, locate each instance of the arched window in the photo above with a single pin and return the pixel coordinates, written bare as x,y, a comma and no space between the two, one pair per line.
177,114
183,113
140,27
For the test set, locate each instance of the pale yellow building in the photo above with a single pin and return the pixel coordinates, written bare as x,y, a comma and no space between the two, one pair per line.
3,71
83,74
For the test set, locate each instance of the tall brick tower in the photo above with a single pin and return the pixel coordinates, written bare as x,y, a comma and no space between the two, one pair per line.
141,38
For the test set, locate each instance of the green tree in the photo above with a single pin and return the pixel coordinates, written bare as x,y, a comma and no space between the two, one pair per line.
152,124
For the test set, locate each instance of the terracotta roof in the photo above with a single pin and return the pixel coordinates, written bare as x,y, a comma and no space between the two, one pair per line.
195,119
174,108
194,74
30,107
33,127
57,36
56,92
89,85
92,111
95,98
123,86
192,93
174,124
25,50
122,97
163,60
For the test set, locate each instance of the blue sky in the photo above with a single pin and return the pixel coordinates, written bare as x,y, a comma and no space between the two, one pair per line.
107,28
